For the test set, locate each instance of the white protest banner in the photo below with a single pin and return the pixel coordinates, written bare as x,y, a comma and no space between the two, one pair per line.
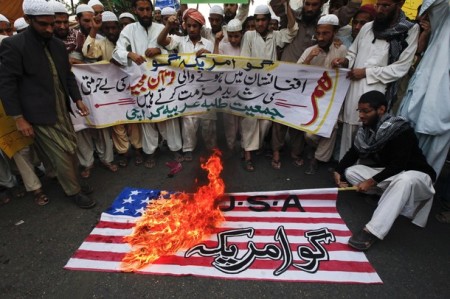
303,97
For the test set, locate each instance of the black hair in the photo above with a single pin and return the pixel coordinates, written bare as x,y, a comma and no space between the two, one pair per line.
134,3
374,98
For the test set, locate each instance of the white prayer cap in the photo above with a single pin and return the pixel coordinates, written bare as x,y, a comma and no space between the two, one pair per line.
234,25
58,7
329,20
262,9
84,8
108,16
216,9
157,8
168,11
20,24
273,17
126,15
4,19
37,8
94,2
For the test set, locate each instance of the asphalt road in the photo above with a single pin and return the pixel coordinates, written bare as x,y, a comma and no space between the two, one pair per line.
412,262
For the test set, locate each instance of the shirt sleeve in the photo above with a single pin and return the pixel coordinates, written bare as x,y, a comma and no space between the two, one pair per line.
11,72
349,159
92,48
287,35
305,54
396,70
120,53
242,12
246,48
175,41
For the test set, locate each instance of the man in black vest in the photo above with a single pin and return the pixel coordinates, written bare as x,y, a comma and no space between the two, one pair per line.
36,85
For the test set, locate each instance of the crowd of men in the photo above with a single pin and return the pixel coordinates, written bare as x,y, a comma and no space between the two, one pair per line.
382,141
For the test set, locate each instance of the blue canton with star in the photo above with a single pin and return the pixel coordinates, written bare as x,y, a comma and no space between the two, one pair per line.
132,201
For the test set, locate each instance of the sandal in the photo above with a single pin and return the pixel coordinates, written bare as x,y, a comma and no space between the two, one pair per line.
248,165
138,159
110,166
298,162
123,161
178,157
187,156
40,198
150,162
86,172
276,164
362,240
443,217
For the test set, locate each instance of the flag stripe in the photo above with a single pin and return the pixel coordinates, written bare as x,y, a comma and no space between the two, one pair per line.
256,218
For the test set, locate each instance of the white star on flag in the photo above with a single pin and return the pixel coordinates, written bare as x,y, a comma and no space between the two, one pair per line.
121,210
141,211
135,192
147,201
128,200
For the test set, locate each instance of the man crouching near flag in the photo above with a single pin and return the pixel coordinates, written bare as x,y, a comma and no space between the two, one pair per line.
390,163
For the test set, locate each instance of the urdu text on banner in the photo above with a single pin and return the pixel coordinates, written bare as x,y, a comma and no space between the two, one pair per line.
304,97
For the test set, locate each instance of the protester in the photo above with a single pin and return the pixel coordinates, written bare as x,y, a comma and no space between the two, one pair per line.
426,102
5,26
306,19
125,19
249,24
20,24
192,43
136,42
44,118
157,18
322,55
233,11
364,15
262,43
62,31
97,6
247,126
274,24
394,167
381,54
216,21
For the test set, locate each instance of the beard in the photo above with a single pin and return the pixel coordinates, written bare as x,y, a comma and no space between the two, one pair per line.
147,22
309,18
383,22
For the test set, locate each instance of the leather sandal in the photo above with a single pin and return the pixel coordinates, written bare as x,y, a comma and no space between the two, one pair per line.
40,198
86,172
248,165
276,164
111,167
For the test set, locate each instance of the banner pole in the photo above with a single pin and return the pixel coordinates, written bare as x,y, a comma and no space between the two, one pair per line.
347,189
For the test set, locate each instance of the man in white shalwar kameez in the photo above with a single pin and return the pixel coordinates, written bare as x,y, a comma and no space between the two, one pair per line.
427,101
141,38
262,43
376,63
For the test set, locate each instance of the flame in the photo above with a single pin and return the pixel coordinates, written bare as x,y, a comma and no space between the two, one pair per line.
176,221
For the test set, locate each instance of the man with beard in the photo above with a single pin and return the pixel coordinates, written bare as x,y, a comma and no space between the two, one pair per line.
137,41
102,49
394,167
322,55
262,44
84,18
307,20
36,87
216,22
62,31
192,43
5,26
381,54
233,11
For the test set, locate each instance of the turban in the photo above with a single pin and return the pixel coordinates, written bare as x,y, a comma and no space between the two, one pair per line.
234,25
368,8
126,15
20,24
58,7
168,11
84,8
94,2
108,16
37,8
195,15
3,19
329,20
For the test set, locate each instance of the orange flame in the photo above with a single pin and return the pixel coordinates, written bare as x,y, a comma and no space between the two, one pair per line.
178,222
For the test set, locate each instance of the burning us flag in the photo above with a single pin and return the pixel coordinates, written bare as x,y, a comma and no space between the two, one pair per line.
294,235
